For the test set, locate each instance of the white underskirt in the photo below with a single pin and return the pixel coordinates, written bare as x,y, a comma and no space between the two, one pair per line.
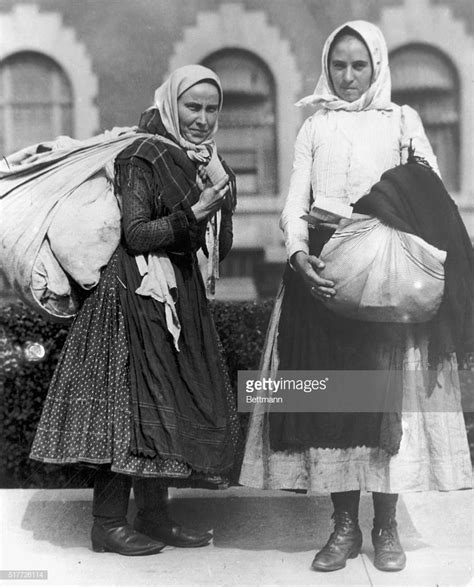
434,451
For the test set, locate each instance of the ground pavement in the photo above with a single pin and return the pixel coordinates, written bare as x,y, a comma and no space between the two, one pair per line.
260,538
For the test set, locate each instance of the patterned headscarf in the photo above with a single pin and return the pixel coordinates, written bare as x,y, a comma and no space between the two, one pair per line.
378,96
166,101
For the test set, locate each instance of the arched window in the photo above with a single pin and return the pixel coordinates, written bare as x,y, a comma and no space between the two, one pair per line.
425,79
247,135
35,101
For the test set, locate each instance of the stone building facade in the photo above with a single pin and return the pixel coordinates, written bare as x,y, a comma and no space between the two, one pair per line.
78,67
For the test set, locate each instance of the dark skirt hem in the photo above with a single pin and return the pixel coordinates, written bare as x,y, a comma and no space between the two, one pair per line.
96,463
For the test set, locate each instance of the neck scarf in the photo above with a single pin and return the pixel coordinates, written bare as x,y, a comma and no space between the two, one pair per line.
166,101
378,96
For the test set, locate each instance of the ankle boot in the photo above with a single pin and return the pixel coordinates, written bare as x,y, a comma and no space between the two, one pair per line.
388,552
111,531
153,519
346,540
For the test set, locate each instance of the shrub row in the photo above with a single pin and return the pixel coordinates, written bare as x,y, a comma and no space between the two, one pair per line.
241,327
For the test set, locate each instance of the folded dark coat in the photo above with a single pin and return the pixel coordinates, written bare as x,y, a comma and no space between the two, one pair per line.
412,198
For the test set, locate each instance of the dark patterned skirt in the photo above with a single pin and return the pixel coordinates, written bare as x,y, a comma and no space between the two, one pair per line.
312,338
88,415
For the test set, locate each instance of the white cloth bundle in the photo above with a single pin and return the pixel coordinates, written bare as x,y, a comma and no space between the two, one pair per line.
49,208
85,230
382,274
159,282
50,285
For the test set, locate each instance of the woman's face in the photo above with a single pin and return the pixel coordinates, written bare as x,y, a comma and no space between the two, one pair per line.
198,109
350,68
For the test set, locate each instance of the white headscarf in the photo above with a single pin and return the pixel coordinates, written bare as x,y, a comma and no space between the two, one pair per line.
378,96
166,101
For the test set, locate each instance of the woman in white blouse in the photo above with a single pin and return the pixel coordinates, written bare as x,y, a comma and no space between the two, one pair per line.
341,151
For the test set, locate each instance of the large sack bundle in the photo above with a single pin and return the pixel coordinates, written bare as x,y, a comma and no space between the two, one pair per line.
59,218
93,211
51,286
382,274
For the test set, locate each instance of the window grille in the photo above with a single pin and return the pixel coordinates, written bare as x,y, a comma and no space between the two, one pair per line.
247,124
425,79
35,101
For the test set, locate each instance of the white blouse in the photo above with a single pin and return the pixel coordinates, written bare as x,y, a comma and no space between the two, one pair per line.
340,155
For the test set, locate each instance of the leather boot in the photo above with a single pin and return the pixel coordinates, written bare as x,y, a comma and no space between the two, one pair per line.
151,498
346,540
111,531
388,552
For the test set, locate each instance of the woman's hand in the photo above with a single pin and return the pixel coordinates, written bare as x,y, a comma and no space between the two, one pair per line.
211,199
309,266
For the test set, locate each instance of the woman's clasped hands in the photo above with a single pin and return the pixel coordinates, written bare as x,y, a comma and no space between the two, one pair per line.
310,267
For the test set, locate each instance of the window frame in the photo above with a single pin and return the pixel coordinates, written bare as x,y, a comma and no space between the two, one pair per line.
55,102
262,179
416,94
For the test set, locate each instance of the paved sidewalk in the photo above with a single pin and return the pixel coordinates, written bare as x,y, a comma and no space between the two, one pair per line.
260,538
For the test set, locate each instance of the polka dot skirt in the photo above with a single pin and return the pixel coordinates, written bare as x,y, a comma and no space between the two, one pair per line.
86,416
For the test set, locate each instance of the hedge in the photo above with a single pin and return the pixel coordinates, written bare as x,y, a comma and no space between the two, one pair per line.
241,327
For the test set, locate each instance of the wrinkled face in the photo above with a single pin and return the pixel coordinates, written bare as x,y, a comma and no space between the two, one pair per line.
198,109
350,68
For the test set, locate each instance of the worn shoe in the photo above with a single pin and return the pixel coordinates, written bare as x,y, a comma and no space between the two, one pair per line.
123,540
345,542
172,533
388,552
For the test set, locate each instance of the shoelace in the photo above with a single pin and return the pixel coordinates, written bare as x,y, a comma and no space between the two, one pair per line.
389,537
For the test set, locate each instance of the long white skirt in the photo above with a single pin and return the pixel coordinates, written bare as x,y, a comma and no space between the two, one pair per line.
434,451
